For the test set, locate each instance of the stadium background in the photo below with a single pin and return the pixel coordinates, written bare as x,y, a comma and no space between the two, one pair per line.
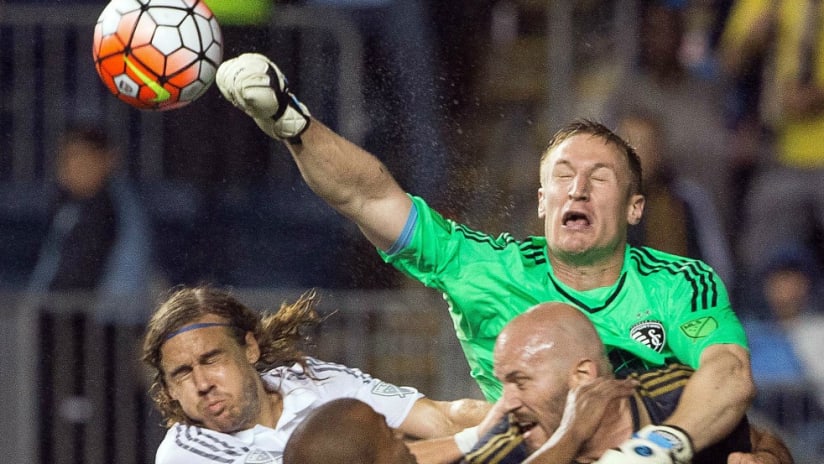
234,211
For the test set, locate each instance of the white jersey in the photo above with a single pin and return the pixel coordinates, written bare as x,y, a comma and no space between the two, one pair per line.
301,394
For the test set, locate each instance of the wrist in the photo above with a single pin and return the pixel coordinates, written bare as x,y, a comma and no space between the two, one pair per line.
671,437
466,439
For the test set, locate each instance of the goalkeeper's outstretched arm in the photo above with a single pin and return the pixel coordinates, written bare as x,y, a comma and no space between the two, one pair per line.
350,179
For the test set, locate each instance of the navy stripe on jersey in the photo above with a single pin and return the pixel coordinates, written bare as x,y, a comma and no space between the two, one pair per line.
581,304
698,274
206,445
319,367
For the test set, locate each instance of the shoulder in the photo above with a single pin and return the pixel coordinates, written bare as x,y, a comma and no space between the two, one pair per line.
197,445
649,261
312,373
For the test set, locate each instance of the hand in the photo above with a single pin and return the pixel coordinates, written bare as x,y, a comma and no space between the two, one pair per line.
586,405
493,417
255,85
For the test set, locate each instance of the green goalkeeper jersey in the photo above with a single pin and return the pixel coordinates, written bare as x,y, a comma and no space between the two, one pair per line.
662,308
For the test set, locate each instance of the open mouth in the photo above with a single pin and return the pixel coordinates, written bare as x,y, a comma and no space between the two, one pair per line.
525,426
575,219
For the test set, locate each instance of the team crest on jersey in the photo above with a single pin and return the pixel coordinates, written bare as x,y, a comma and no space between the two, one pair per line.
387,389
650,333
259,457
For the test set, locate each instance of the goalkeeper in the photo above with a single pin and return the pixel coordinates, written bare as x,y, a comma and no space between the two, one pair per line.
650,308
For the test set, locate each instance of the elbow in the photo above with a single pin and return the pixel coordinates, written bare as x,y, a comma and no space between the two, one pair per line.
732,363
743,372
740,372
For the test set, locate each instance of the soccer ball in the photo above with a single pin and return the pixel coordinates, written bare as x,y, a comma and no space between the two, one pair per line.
157,54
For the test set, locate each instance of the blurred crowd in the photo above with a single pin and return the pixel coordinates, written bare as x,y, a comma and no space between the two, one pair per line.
723,99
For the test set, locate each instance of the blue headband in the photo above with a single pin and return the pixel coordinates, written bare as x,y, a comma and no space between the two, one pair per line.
199,325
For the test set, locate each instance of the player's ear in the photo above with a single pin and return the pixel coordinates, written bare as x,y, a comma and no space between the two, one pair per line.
635,209
585,371
252,348
541,203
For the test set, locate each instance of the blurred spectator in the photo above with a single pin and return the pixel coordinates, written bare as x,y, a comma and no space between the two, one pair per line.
786,344
680,216
786,196
691,108
98,239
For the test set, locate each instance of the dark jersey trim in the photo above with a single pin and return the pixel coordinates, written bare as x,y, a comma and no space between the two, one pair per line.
705,290
583,306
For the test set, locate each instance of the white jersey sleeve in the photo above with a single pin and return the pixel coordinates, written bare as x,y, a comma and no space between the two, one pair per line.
328,381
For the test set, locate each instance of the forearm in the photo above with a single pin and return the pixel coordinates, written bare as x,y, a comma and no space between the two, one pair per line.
435,451
436,419
717,395
353,181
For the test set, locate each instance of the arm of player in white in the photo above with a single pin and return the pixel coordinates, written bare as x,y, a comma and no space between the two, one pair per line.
444,419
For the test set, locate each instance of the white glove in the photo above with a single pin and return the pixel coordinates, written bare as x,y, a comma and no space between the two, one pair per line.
255,85
669,437
636,451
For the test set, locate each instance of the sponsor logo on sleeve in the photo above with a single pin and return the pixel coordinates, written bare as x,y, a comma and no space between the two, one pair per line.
387,389
700,328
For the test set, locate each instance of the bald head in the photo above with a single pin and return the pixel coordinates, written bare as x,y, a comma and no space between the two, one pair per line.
540,356
551,329
345,430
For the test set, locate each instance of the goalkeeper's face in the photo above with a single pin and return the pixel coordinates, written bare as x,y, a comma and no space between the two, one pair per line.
585,199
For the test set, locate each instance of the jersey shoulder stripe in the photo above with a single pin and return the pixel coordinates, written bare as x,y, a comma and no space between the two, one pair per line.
700,276
206,444
532,251
499,243
317,369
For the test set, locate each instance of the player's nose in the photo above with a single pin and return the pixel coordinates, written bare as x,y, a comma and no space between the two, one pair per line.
202,380
510,399
579,188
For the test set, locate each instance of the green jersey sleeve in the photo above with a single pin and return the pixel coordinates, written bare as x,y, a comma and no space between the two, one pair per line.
691,302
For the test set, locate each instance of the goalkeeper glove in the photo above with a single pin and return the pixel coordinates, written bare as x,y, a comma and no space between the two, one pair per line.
671,438
254,84
636,451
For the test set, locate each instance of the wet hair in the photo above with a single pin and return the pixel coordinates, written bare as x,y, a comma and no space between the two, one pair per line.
279,334
596,129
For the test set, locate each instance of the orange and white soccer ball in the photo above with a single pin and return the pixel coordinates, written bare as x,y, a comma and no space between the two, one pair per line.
157,54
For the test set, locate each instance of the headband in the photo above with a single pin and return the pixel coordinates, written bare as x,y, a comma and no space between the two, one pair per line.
199,325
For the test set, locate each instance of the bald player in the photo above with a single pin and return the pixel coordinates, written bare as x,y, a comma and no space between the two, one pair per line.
346,430
557,377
